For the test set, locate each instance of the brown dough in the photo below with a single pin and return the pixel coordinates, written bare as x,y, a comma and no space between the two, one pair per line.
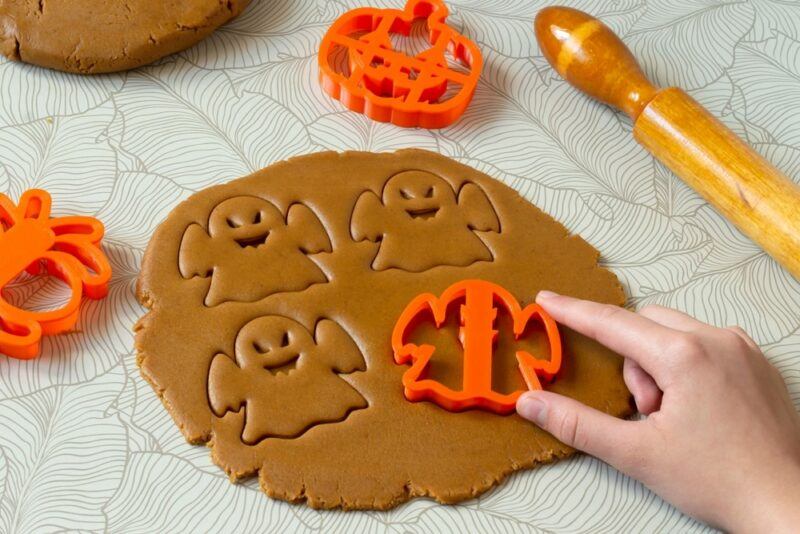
94,36
298,383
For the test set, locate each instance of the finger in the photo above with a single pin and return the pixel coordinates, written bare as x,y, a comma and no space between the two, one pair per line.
739,331
672,318
622,331
580,426
642,386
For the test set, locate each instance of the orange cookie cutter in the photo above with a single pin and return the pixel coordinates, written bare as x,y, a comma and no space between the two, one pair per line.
477,336
389,86
67,247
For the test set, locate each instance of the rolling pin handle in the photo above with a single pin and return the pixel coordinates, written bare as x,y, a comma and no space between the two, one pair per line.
590,56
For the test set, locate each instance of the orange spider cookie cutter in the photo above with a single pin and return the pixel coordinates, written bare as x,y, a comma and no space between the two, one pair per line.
387,85
67,247
477,335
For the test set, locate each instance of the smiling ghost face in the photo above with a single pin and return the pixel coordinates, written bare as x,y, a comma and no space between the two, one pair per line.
419,195
274,344
246,220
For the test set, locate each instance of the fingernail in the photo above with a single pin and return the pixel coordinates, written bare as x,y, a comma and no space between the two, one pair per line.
544,294
532,409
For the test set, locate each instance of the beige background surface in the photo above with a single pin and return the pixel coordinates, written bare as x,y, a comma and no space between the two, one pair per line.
86,445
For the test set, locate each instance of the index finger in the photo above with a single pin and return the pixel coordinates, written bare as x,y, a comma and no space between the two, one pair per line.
629,334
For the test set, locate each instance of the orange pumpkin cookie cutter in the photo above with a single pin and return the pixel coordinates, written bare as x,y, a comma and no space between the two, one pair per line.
389,86
477,335
67,247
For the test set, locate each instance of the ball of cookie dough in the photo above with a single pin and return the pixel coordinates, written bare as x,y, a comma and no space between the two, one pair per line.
96,36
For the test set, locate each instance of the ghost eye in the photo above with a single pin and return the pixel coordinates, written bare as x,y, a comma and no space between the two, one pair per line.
232,223
285,340
257,218
429,192
405,194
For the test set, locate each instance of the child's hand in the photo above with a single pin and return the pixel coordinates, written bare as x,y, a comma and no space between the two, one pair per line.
721,440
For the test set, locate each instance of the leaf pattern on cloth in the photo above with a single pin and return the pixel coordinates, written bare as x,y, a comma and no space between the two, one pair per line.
673,34
226,130
86,445
61,457
63,155
28,93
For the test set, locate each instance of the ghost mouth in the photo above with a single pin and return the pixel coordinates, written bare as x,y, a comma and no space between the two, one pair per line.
423,213
285,368
254,241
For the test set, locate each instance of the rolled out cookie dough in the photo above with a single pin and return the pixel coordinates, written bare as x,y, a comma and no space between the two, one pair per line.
293,377
95,36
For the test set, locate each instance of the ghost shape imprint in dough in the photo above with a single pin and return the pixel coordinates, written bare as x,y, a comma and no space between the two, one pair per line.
420,223
251,251
287,380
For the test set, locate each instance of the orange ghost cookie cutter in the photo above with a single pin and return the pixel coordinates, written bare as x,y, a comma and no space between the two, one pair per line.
387,85
477,336
67,247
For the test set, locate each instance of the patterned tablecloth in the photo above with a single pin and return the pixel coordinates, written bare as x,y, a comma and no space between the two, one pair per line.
84,442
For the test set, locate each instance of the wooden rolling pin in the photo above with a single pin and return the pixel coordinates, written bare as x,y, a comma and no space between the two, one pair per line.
760,200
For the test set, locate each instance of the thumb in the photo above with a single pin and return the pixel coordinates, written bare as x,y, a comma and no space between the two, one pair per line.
580,426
